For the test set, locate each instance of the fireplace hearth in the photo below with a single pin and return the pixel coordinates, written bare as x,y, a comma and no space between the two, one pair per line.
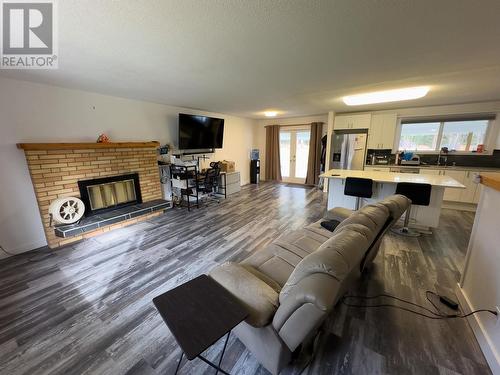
110,193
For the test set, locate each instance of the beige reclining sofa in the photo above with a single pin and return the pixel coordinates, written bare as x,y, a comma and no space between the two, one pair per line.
290,287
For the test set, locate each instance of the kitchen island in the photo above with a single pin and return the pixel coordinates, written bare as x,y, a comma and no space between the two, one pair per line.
384,184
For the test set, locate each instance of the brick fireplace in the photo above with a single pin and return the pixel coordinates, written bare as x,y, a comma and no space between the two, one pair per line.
57,169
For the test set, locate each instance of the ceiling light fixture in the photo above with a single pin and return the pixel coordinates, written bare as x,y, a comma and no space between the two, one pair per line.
270,113
387,96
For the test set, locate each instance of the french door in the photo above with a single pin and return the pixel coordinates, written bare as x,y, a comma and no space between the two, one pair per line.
294,153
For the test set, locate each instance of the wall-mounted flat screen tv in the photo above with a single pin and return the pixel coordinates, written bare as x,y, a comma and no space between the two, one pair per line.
200,132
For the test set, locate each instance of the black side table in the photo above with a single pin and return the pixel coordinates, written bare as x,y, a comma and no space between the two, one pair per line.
199,313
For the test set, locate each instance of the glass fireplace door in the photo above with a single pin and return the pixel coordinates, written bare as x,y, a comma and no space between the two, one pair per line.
111,194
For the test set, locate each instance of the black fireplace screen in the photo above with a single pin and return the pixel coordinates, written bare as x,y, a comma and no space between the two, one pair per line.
104,194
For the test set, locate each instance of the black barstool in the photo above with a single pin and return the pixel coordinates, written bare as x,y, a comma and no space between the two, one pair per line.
359,188
420,195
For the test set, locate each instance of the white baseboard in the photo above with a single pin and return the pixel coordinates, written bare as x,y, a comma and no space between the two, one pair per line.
461,206
23,248
489,351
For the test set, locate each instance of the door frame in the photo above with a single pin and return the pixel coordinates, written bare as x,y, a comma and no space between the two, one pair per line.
293,152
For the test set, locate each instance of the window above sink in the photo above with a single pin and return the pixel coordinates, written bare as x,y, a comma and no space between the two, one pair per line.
458,135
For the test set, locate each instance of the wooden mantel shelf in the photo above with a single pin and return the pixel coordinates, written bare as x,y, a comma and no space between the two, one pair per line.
491,180
87,145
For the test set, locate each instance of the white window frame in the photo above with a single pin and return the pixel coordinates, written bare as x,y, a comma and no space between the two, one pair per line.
488,146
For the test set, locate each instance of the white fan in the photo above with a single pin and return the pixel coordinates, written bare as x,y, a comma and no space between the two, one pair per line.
66,210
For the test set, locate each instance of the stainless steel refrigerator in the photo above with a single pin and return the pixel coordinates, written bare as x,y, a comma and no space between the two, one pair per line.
349,149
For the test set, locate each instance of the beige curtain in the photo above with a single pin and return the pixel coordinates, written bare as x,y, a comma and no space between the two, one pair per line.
273,168
314,160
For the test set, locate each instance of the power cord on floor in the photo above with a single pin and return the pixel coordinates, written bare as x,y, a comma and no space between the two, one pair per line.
439,315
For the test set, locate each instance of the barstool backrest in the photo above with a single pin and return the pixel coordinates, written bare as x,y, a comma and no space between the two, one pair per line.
419,194
358,187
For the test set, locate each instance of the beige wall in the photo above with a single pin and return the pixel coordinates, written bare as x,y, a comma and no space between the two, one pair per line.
238,141
40,113
259,134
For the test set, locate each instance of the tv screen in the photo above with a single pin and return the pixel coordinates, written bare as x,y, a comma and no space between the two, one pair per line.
200,132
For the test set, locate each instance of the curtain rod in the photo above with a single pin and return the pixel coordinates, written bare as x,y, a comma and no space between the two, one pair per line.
285,125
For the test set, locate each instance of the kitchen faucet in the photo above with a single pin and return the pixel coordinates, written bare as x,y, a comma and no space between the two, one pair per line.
444,150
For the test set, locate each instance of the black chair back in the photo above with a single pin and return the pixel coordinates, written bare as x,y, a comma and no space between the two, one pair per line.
358,187
210,179
216,166
419,194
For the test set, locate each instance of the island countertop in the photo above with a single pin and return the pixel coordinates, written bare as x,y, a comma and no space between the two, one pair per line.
394,178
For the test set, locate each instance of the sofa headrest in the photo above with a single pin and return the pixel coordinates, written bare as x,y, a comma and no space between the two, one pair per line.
397,205
372,216
336,257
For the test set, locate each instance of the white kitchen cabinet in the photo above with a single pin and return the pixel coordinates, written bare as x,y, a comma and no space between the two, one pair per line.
375,169
469,192
454,195
341,122
345,122
426,170
477,194
382,131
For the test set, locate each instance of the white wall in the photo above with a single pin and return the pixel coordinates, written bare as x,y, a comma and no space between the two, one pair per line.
260,132
480,284
40,113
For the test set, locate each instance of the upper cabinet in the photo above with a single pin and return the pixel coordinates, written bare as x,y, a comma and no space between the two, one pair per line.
382,131
343,122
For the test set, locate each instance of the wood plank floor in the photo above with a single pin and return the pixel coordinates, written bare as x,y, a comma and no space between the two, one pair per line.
86,309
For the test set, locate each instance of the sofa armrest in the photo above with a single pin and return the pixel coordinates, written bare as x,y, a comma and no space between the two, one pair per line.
305,308
260,299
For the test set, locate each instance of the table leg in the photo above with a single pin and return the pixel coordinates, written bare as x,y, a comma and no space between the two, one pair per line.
217,367
212,365
179,363
225,186
223,350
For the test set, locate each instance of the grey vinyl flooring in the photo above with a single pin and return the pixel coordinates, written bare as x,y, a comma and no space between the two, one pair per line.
86,308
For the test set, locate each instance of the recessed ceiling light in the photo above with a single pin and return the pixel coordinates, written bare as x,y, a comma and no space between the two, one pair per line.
270,113
387,96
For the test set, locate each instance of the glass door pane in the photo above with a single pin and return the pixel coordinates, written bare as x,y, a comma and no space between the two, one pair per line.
285,157
301,153
294,154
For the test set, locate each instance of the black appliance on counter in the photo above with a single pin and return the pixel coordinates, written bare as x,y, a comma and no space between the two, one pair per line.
379,157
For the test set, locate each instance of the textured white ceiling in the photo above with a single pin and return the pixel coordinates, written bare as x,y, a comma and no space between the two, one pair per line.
295,56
